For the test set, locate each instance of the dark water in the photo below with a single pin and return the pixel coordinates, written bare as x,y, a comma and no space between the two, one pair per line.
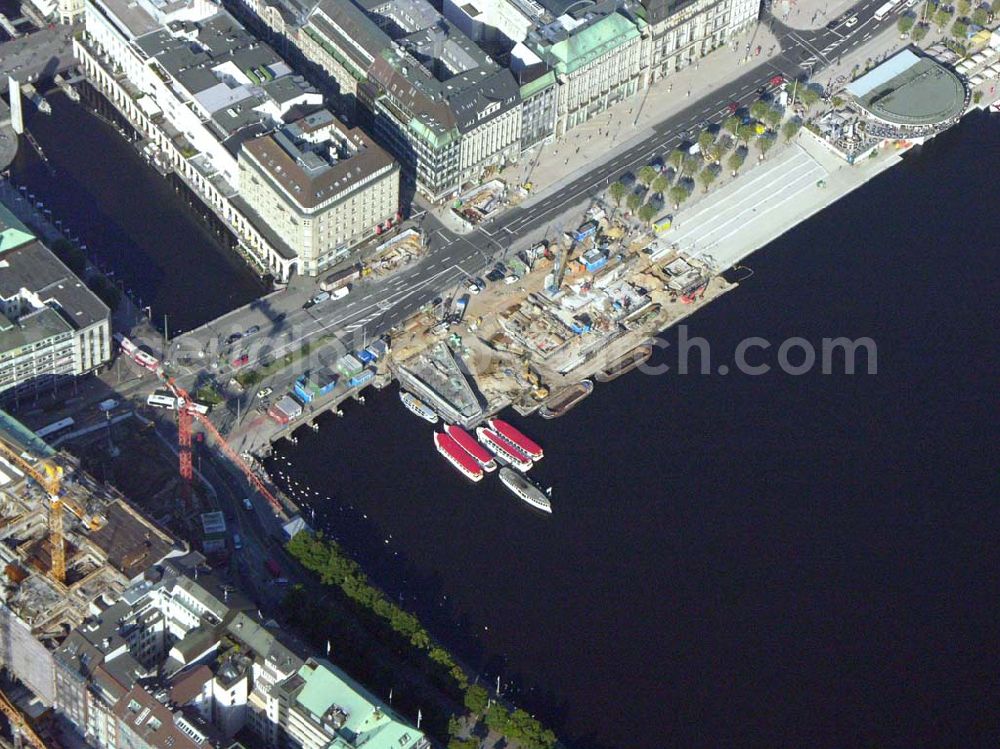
131,217
734,560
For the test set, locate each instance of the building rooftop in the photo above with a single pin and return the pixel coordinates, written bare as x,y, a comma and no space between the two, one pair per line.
13,233
317,158
908,89
32,272
359,718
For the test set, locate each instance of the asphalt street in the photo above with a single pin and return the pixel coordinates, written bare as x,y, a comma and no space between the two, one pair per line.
375,306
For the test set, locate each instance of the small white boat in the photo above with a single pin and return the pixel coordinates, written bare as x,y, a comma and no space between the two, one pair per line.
524,489
417,406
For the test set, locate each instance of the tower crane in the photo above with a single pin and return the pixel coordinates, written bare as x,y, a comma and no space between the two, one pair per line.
19,722
185,416
47,475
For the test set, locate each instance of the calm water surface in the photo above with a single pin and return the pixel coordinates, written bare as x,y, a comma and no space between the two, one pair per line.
109,197
733,560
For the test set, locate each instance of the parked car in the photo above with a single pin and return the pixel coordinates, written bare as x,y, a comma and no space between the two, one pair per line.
233,338
494,276
241,361
264,392
340,293
107,405
252,329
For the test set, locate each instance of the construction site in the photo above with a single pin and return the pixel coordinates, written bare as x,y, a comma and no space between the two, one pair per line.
69,545
558,314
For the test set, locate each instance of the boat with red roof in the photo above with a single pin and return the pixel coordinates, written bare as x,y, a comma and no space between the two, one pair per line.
507,452
515,437
458,457
468,443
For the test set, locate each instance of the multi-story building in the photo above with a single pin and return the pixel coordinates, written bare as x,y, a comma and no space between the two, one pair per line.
684,31
597,54
52,327
199,85
170,665
320,186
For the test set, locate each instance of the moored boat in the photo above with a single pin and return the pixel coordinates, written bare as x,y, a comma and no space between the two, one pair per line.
458,457
525,489
517,438
561,402
468,443
417,406
626,363
503,449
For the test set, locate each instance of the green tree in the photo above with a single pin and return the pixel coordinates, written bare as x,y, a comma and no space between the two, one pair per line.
706,139
661,184
676,158
736,160
208,395
731,124
980,16
633,201
960,29
746,133
646,175
919,32
905,23
808,96
942,17
772,117
764,144
476,699
758,109
995,6
790,129
647,213
457,743
454,726
679,193
71,255
706,176
964,6
617,191
690,166
497,718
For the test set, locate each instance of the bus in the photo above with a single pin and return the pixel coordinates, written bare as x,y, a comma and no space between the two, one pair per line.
885,10
56,428
162,399
663,223
341,278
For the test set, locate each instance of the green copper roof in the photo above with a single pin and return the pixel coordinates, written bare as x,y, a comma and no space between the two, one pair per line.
369,723
426,133
541,83
614,30
12,232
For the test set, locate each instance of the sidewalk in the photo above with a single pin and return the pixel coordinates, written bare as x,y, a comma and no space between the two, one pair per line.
810,14
629,122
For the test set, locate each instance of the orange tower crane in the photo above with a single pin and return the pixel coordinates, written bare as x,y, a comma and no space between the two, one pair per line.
185,414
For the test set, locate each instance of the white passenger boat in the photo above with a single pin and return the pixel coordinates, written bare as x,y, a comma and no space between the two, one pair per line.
417,406
524,489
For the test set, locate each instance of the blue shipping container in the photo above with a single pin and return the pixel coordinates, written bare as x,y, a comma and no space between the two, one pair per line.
362,378
365,356
302,392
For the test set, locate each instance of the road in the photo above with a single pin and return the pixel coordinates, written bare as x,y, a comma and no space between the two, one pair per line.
376,305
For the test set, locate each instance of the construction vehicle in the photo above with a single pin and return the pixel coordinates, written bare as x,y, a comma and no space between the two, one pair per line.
48,475
185,414
20,724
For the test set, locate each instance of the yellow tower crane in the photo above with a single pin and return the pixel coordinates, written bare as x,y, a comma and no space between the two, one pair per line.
48,476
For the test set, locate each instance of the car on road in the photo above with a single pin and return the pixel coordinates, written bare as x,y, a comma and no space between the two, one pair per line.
313,301
494,275
777,80
340,293
264,392
252,329
247,504
233,338
732,107
852,21
241,361
107,405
